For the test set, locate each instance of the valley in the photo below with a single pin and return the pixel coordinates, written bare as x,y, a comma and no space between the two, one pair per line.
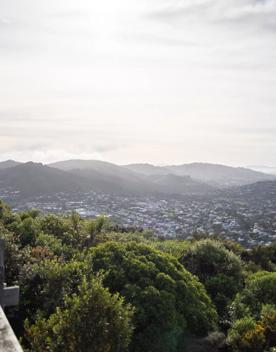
168,205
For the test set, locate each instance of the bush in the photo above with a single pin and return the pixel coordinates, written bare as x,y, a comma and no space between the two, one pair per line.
247,335
217,268
168,300
91,321
260,290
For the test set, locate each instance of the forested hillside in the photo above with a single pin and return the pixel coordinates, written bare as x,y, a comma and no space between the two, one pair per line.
87,286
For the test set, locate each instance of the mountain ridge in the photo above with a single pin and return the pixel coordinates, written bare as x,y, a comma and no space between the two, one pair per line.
214,174
69,176
8,163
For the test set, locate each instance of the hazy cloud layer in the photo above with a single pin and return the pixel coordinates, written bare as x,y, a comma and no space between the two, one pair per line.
164,81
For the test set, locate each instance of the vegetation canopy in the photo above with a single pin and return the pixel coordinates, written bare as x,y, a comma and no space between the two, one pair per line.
87,285
168,300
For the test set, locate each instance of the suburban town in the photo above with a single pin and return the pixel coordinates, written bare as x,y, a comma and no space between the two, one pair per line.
247,222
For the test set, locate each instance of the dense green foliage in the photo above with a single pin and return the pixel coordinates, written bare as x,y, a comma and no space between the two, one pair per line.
260,290
168,300
91,320
254,335
219,269
263,256
86,285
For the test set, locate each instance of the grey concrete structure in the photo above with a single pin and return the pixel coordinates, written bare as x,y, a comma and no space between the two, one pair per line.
8,341
9,296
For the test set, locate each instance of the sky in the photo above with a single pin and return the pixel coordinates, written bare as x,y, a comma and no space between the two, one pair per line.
160,81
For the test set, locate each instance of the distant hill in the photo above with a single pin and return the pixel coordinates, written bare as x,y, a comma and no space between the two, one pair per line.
148,169
220,175
130,181
271,170
108,177
265,190
33,179
182,185
92,168
214,174
8,163
78,164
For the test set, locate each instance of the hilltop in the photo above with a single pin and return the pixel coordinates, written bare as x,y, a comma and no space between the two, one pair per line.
214,174
35,179
8,163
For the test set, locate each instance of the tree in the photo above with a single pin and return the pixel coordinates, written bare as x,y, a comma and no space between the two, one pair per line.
219,269
56,226
15,256
260,290
55,245
268,318
75,219
44,285
95,227
6,215
27,230
92,320
169,302
254,335
255,304
246,335
263,256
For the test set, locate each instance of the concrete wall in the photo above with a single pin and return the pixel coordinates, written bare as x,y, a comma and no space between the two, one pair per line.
8,341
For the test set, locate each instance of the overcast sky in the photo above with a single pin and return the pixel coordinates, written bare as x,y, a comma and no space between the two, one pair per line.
162,81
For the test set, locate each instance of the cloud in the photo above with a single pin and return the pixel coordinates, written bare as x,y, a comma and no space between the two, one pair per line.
148,80
258,13
157,39
45,149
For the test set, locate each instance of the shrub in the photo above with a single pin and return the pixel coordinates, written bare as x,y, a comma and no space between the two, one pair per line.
92,320
168,300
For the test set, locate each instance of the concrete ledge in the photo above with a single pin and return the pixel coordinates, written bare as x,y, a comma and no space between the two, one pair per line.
8,340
